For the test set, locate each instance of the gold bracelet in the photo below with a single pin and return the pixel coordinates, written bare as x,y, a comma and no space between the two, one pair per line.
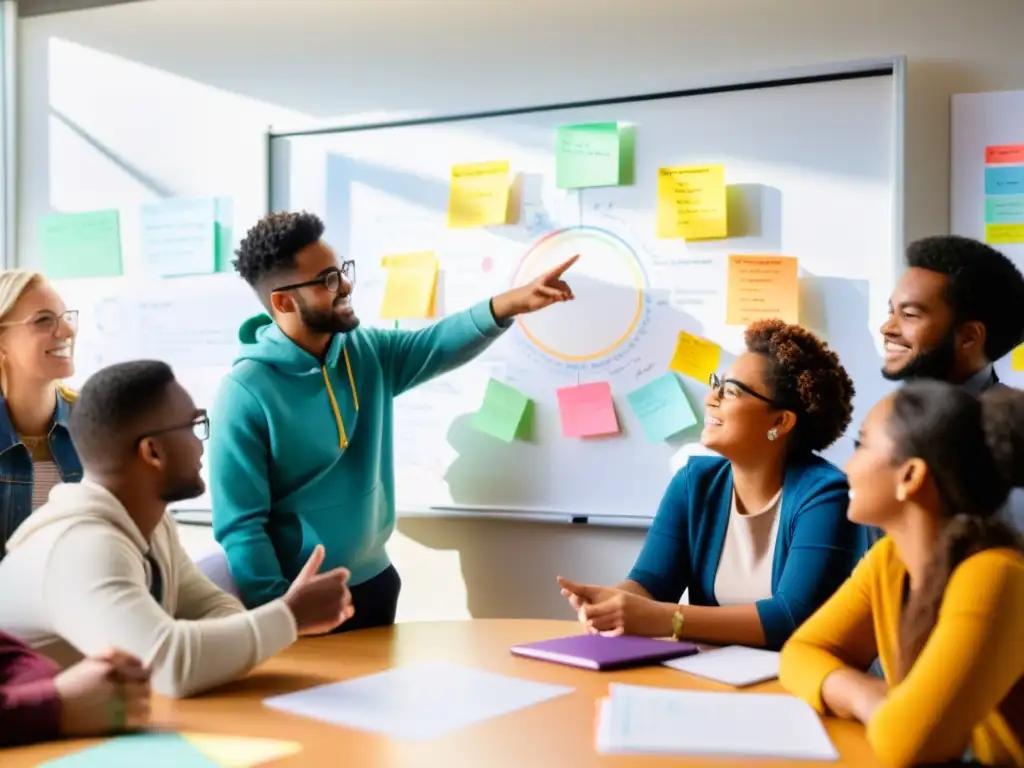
677,625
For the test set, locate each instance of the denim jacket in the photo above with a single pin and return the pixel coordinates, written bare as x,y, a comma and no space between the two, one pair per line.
16,466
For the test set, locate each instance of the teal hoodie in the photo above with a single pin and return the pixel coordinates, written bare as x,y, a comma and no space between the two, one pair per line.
301,452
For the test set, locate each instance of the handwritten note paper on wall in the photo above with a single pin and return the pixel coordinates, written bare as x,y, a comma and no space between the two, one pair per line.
1012,154
74,245
478,195
662,408
506,413
587,410
761,287
410,290
591,155
695,357
179,237
691,202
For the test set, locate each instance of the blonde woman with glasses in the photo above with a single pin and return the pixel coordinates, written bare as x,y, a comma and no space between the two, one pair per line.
37,335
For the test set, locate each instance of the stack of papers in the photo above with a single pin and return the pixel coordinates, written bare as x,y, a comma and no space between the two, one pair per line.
734,665
638,719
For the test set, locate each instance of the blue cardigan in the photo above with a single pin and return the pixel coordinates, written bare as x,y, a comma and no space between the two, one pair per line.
816,548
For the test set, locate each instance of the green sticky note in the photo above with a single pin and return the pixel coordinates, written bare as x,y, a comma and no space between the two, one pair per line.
1004,209
73,245
152,750
590,155
506,413
223,235
662,408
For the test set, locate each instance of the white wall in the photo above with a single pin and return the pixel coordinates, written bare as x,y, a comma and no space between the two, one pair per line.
127,103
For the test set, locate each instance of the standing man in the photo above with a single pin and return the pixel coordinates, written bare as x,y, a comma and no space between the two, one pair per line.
957,309
301,445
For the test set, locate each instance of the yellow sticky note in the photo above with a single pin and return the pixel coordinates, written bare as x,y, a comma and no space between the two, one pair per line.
236,752
691,202
695,357
1004,234
762,287
411,287
478,196
1017,359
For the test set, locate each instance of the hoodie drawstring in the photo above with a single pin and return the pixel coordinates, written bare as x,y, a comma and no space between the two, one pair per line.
342,436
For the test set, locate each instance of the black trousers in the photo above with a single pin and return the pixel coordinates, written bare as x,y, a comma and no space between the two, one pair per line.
375,601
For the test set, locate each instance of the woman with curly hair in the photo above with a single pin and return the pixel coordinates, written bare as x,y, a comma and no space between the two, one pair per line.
759,535
940,598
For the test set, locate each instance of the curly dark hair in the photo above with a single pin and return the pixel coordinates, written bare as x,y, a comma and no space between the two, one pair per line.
270,247
983,285
805,376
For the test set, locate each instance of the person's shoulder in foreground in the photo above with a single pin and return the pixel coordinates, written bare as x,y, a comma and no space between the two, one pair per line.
101,566
939,598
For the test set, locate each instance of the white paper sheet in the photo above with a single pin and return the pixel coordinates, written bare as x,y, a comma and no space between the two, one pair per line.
638,719
417,702
733,665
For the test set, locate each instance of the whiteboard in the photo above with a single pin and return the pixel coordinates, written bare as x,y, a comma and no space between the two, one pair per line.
813,168
982,120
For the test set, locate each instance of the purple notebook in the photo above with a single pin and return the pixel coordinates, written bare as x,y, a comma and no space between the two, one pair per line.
600,652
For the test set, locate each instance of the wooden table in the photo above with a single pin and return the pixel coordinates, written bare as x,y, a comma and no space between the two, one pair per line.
559,732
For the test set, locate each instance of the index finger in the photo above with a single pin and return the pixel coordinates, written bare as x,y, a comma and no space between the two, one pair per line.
561,268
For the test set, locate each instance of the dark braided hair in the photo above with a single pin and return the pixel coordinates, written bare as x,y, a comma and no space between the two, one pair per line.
974,450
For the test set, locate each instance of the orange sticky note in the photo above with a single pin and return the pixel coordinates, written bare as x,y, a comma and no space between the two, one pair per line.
478,195
411,287
587,410
1005,153
691,202
1017,359
761,287
695,357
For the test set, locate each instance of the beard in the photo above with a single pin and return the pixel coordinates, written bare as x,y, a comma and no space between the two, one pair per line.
182,489
936,363
327,320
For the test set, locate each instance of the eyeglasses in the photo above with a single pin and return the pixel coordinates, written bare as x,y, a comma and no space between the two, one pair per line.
200,426
718,386
46,323
331,279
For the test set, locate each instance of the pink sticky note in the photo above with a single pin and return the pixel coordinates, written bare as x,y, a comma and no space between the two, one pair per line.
587,410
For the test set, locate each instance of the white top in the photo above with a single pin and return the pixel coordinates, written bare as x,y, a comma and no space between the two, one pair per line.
75,582
745,568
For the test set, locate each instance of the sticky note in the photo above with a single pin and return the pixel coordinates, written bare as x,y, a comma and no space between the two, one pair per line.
505,414
410,290
237,752
587,410
76,245
1004,180
1004,209
593,155
1004,234
695,357
692,202
178,237
224,245
761,287
152,750
478,195
662,408
1005,153
1017,359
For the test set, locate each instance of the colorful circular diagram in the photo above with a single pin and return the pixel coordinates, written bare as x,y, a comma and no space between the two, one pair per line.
608,282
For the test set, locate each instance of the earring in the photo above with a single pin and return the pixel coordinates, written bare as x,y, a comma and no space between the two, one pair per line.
901,495
773,433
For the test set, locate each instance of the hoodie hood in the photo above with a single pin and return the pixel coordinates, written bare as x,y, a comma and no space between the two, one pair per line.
264,342
73,504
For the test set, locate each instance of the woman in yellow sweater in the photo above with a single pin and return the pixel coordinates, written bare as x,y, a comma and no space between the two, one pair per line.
941,599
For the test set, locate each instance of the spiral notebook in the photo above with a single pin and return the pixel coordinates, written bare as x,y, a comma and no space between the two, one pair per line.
602,653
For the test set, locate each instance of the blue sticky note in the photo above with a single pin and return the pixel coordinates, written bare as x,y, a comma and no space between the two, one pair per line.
1004,180
662,408
1004,209
151,750
179,237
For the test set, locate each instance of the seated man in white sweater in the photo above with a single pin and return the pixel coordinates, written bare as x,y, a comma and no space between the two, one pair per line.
100,564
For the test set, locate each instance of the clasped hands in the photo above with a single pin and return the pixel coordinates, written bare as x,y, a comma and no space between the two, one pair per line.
610,612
